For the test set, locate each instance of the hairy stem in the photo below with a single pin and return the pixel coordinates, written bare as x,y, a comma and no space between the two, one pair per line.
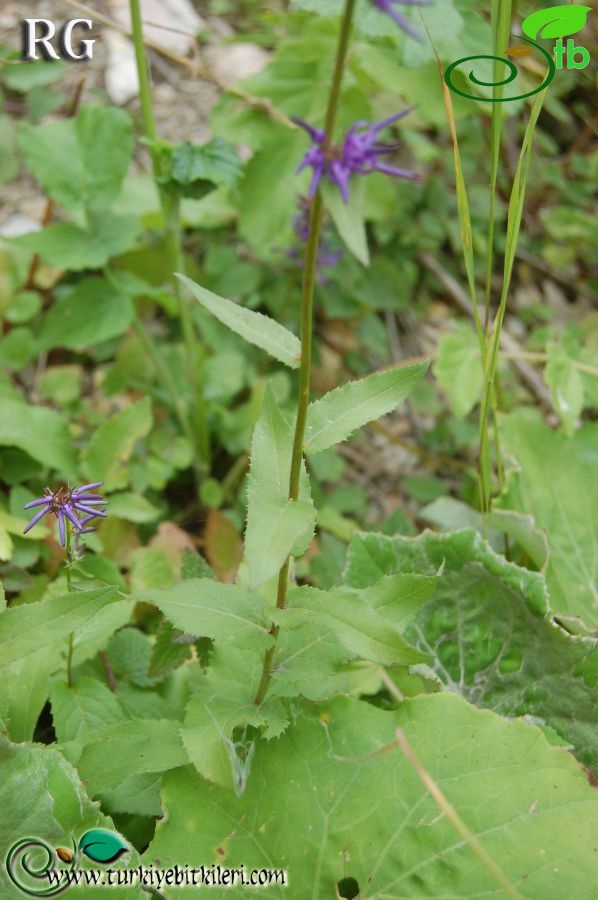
307,300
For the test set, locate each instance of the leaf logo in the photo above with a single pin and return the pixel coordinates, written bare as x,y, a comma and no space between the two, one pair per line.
101,845
556,22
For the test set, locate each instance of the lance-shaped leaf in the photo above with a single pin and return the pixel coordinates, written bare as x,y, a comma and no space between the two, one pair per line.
555,22
363,630
276,526
360,811
27,628
336,415
254,327
207,608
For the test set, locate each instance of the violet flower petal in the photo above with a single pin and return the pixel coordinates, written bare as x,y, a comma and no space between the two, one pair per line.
87,487
93,512
40,502
61,527
69,513
39,515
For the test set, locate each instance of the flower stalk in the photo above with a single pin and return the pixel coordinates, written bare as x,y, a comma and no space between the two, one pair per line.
306,334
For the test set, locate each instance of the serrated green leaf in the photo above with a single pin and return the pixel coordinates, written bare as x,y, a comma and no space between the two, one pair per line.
490,632
348,217
254,327
566,386
129,653
109,450
26,629
86,707
168,653
557,484
222,701
276,526
556,21
459,370
80,162
207,608
336,415
358,626
40,432
130,748
364,814
198,169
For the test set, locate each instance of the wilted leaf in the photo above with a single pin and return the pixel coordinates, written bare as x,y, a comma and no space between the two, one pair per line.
519,50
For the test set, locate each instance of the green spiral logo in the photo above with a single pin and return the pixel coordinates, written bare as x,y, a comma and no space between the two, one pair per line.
29,861
511,77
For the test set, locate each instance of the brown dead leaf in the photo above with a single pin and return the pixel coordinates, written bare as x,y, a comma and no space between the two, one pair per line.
223,545
519,50
171,540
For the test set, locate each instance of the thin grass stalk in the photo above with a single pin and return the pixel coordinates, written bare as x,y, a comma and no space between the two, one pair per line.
171,215
307,299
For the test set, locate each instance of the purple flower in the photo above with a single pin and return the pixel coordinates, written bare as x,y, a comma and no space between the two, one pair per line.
388,7
359,154
78,506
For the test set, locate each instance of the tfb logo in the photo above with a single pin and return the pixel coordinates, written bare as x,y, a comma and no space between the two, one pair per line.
38,35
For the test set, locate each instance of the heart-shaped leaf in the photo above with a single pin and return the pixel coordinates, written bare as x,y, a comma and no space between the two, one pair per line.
555,22
519,50
102,845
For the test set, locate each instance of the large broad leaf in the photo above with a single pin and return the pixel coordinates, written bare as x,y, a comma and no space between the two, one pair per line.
41,433
207,608
222,703
67,246
26,629
113,443
558,484
566,385
25,686
80,162
488,631
42,798
254,327
93,312
336,415
276,526
556,21
361,812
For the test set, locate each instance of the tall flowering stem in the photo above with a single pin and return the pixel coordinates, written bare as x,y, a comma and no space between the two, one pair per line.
307,302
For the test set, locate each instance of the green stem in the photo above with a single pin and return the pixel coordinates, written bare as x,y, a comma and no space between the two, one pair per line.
71,640
170,207
307,300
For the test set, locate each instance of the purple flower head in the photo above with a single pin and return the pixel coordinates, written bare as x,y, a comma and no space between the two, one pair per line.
359,154
77,506
388,7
